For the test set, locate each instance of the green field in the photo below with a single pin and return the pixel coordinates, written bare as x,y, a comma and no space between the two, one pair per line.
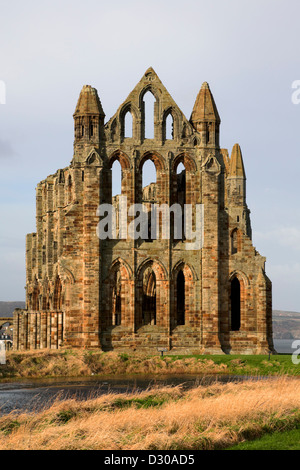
248,364
287,440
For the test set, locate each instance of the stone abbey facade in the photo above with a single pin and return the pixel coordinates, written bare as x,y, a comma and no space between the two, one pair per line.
143,294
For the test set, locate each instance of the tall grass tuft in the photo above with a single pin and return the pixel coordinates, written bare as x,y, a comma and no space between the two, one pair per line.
162,418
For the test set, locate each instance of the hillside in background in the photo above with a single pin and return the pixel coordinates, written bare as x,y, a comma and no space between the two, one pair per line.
286,325
7,308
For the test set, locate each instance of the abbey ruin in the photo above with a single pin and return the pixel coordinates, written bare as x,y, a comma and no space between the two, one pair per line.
145,293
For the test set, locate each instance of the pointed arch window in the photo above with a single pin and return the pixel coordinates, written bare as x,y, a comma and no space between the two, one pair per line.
148,114
116,178
128,125
168,126
117,302
149,180
149,298
183,304
180,314
179,197
116,175
69,190
235,304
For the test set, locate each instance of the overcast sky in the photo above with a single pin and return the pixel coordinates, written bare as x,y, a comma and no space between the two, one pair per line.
249,53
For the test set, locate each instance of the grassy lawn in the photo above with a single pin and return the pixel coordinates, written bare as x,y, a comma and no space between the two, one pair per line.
287,440
249,365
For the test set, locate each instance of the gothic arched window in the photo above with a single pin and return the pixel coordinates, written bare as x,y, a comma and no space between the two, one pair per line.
235,304
149,298
148,105
180,299
128,123
168,127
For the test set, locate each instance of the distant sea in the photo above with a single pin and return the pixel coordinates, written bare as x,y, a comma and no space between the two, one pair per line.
285,345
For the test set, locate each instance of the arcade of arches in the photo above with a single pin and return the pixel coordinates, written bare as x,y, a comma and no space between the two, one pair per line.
139,294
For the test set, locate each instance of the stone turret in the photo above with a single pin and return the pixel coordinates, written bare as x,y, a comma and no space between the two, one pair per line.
237,169
205,117
236,190
89,123
237,177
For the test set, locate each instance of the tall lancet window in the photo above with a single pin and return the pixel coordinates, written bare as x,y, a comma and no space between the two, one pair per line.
180,298
168,127
149,298
235,304
116,304
128,123
148,103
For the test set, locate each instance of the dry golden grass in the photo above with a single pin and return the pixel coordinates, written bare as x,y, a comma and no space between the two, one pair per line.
76,363
80,362
212,417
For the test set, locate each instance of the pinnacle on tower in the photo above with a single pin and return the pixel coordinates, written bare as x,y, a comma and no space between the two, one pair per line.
89,122
88,102
205,117
205,108
236,189
236,163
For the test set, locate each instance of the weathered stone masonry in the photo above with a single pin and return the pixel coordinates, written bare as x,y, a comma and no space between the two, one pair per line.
141,294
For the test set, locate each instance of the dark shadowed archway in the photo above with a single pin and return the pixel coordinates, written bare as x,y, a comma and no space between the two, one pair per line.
180,314
235,304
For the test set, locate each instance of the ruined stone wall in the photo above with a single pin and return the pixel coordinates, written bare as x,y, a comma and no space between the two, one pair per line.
143,294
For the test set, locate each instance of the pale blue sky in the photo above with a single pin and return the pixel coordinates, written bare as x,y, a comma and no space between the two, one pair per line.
248,51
